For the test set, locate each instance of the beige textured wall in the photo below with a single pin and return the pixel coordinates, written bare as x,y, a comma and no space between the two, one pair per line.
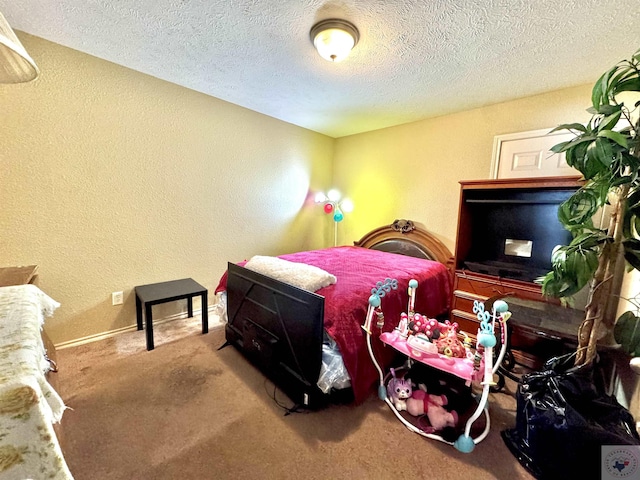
110,178
412,170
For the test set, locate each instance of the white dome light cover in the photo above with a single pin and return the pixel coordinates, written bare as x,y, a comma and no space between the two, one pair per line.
334,38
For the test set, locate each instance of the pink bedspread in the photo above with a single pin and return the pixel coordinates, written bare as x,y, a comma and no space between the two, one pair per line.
357,270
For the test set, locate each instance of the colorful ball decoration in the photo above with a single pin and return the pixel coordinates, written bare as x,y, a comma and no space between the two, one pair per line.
374,300
500,306
464,444
328,207
338,216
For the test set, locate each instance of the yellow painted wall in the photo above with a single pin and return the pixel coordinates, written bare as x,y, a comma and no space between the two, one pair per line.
412,171
110,179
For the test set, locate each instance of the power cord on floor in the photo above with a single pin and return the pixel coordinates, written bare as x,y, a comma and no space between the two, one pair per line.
287,410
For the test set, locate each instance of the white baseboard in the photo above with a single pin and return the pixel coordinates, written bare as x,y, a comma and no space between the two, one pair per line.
101,336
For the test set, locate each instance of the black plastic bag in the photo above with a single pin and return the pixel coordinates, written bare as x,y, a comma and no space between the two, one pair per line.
562,421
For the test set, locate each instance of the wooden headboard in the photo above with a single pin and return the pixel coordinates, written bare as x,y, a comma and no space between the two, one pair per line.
407,238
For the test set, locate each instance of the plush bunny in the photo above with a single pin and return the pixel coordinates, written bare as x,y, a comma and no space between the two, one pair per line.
398,390
422,403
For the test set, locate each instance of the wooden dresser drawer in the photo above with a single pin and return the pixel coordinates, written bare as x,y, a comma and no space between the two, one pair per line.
467,322
488,286
464,300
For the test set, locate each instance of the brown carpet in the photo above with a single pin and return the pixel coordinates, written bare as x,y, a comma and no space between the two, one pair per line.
188,411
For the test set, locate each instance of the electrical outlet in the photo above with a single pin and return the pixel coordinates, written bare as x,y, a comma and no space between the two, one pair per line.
117,298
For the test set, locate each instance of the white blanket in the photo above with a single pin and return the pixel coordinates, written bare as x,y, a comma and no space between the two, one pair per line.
28,404
300,275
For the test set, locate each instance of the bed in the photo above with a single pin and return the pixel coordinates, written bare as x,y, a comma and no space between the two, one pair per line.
29,405
284,329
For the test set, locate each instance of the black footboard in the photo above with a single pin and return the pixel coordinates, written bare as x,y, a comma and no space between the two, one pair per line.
279,328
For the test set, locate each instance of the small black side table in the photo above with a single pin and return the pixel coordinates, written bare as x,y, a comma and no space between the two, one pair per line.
163,292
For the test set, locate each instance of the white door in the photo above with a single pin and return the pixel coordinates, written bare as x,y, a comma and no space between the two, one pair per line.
528,154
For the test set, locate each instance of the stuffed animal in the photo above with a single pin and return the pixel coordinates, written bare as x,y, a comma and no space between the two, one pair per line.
398,390
451,347
448,342
422,403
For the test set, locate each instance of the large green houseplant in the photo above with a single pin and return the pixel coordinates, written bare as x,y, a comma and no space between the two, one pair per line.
607,152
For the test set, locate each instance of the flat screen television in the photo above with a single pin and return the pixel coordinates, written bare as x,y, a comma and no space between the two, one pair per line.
515,231
279,328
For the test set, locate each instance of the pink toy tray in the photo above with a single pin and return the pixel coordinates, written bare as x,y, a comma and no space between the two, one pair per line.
461,367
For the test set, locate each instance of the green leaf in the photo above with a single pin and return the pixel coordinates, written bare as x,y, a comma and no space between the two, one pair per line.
559,147
570,127
615,136
623,71
593,259
632,252
627,333
581,139
600,89
579,207
597,94
631,217
555,284
577,157
631,85
580,156
585,266
610,121
601,187
633,200
607,109
631,225
616,182
592,161
589,240
603,152
573,268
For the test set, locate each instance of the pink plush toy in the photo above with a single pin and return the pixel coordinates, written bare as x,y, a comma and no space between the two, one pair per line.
422,403
448,343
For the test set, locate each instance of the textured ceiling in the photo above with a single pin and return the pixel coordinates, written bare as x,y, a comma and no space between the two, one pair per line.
415,59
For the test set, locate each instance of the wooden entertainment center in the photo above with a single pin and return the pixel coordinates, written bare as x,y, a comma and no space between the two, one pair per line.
507,229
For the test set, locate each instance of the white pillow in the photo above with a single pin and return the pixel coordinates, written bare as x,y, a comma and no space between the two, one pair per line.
301,275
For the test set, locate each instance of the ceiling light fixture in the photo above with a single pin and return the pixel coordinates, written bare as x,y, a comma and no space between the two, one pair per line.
334,38
16,66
